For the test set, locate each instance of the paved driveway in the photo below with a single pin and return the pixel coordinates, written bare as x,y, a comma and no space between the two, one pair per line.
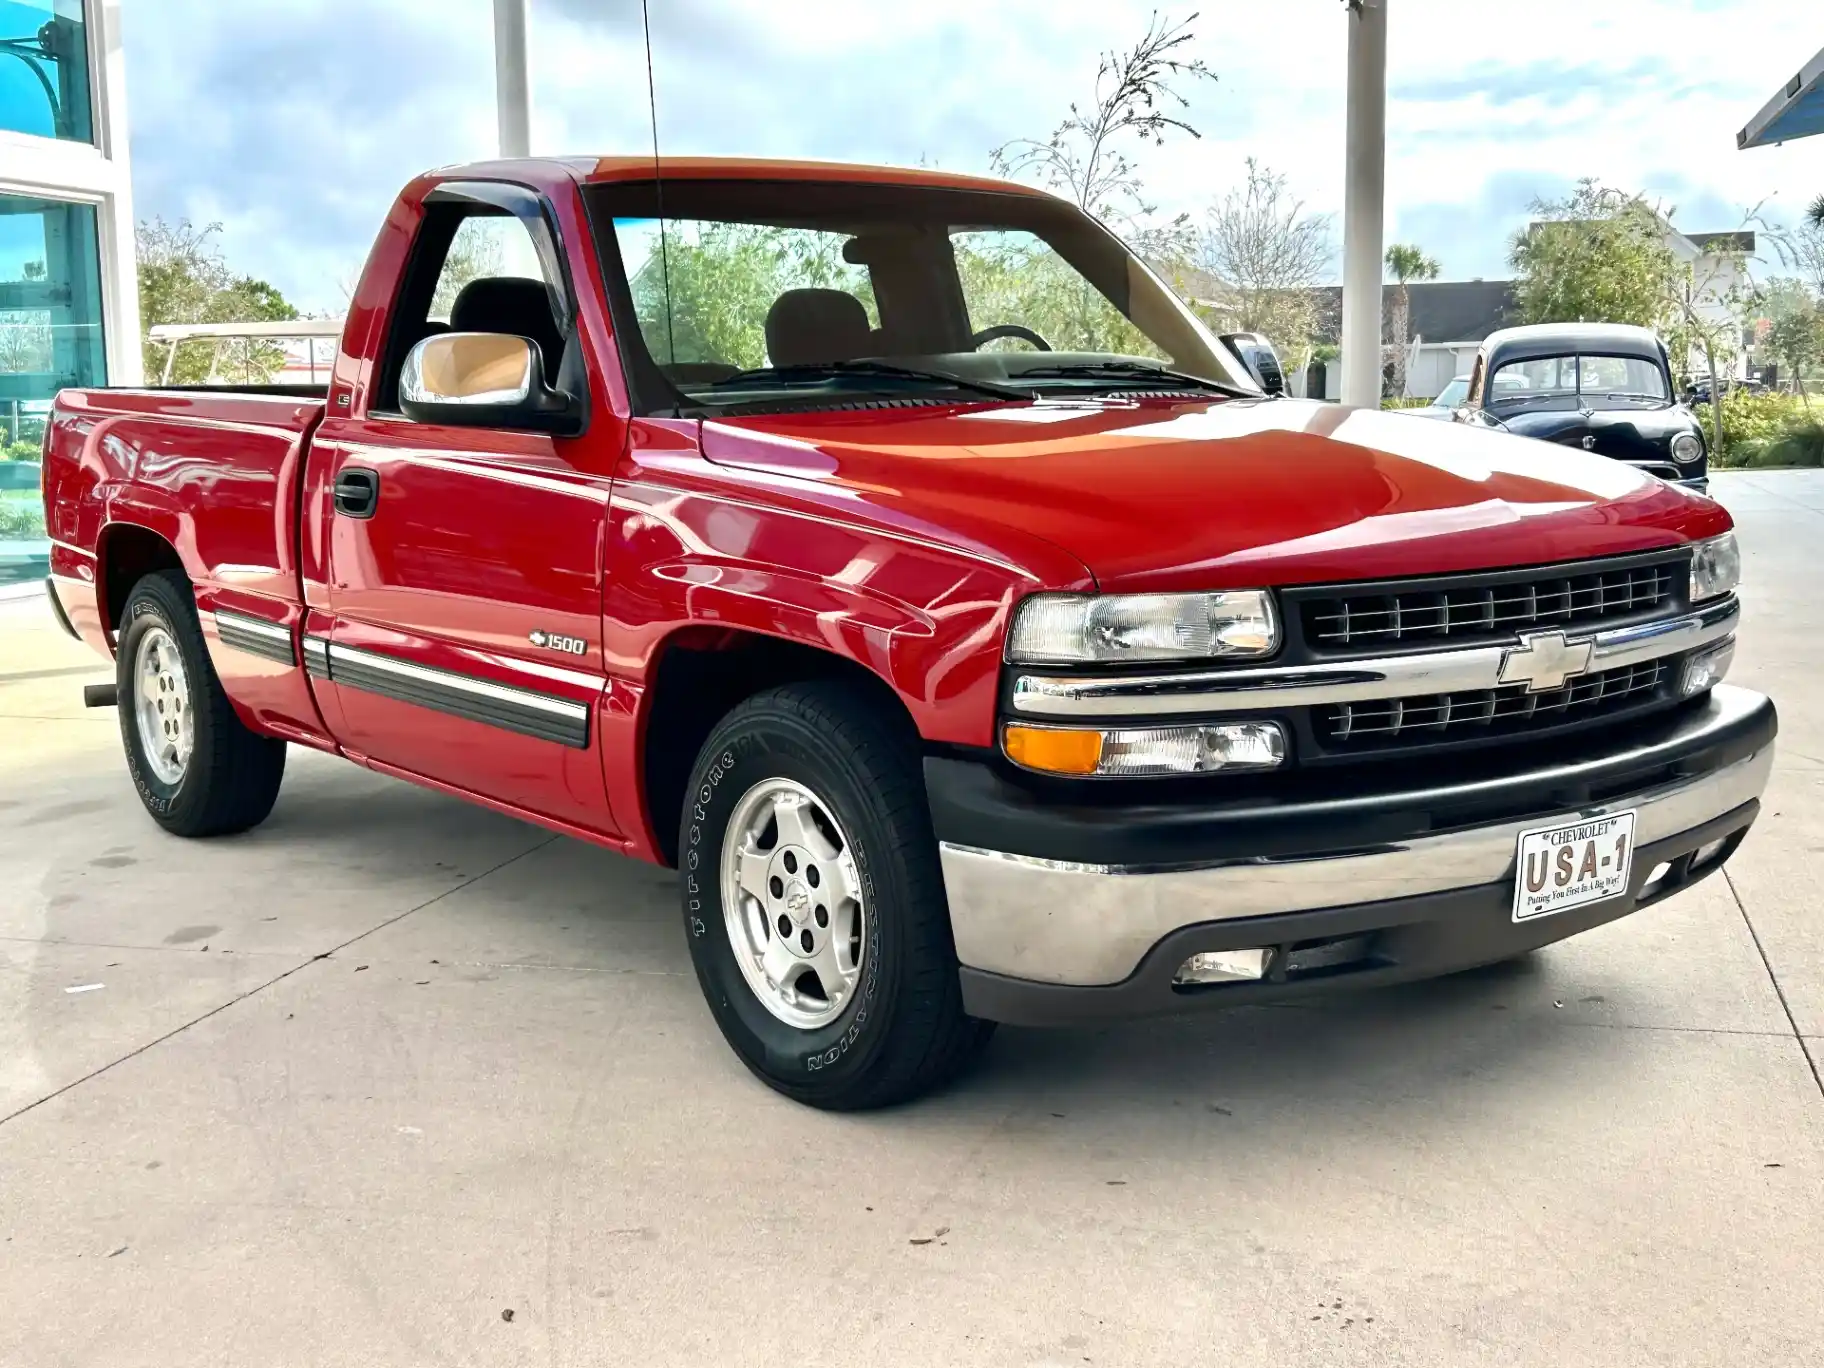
393,1080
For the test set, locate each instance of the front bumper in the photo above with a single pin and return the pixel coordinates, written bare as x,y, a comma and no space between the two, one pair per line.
1064,914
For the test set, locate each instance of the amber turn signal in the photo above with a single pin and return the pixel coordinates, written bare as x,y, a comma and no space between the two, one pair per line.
1146,752
1054,750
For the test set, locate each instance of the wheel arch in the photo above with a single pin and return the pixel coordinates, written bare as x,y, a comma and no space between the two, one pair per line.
696,677
126,553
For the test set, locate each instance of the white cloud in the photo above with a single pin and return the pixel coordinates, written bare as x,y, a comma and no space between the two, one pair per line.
293,123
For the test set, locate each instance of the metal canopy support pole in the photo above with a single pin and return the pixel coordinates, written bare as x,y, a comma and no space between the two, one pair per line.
512,90
1364,196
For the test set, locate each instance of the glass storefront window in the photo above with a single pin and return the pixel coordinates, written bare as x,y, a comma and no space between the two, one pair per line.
50,337
44,70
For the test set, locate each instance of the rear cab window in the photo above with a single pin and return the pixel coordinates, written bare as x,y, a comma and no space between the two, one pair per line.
724,279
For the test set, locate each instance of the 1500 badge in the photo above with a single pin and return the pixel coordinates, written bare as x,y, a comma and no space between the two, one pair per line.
550,641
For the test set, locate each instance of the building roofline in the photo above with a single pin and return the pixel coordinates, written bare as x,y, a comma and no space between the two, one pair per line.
1795,111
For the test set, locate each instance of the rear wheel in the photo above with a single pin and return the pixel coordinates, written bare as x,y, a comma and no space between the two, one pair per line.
198,768
814,903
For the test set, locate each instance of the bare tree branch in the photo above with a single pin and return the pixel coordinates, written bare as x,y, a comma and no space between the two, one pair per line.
1137,95
1264,256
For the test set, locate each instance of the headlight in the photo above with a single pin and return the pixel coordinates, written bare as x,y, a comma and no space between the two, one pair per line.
1716,567
1139,752
1687,447
1087,629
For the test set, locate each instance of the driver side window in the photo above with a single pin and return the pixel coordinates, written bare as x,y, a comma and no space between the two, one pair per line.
474,267
1015,282
485,247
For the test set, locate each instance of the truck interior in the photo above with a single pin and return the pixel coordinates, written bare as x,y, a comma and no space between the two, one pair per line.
747,292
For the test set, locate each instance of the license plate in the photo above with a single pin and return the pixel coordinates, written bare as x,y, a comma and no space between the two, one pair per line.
1571,864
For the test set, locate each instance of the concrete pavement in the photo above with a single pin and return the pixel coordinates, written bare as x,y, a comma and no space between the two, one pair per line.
360,1083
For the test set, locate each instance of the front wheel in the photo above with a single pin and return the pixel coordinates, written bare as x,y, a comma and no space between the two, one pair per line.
814,902
198,768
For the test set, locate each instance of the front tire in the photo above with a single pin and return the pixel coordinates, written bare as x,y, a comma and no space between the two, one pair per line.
198,768
814,901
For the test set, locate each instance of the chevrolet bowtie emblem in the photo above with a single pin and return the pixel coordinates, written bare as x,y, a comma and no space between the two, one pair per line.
1544,660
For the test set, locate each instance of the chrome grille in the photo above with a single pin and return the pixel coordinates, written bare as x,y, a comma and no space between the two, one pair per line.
1466,613
1508,709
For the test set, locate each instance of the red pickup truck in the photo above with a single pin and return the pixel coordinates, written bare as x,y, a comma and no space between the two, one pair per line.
895,556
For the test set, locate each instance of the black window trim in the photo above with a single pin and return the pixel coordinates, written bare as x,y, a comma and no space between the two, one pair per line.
418,281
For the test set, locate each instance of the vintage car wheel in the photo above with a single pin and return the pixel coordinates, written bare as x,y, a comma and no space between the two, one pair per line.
814,905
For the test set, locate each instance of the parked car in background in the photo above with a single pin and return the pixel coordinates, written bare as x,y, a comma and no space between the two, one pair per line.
1450,399
1602,387
1257,354
1697,389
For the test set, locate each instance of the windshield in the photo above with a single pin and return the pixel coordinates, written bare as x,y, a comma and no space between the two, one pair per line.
793,294
1452,394
1571,382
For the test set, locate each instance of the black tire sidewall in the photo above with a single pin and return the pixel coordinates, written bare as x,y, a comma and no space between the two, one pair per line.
149,606
753,749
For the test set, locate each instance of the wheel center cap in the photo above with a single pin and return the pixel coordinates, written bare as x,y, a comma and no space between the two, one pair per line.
797,901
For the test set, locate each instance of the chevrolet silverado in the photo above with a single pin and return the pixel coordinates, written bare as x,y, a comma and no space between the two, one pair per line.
894,555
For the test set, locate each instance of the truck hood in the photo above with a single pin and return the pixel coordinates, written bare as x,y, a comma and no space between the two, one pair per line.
1154,494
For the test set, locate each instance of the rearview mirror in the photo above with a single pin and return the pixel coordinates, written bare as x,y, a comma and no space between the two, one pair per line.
489,380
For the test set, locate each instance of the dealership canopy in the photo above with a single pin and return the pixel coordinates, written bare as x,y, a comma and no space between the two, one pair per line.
1797,111
1363,197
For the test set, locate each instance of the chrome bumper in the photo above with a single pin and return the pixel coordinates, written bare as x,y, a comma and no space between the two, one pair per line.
1056,922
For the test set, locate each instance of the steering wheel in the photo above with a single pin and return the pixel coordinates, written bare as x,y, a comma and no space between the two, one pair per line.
1000,330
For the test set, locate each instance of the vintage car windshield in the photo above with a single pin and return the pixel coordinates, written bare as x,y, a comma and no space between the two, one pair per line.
792,294
1577,381
1451,396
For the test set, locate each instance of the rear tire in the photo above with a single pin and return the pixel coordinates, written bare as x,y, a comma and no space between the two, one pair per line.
819,769
199,770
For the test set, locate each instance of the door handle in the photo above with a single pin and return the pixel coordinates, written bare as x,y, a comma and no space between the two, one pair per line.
357,491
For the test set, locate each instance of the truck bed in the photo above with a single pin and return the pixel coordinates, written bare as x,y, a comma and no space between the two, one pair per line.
118,461
282,391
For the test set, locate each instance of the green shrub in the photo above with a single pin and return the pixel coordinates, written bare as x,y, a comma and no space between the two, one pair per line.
1404,403
1751,424
21,519
1801,444
20,451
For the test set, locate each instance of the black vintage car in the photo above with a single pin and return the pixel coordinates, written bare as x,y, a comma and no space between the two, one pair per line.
1604,387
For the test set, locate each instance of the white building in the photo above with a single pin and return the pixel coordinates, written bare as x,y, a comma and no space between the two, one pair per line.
69,299
69,294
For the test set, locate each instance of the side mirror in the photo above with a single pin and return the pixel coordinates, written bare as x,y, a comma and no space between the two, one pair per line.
490,380
1257,354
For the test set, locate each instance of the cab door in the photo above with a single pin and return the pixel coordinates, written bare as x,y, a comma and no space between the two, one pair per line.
464,564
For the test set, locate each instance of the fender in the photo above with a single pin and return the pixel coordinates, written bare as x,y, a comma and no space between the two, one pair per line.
920,617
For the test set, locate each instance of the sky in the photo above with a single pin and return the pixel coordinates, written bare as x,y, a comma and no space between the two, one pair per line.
293,122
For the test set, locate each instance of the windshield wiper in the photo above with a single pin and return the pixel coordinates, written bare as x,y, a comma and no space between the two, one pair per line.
765,376
1128,370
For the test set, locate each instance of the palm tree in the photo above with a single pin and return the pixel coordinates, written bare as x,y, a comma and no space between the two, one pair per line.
1407,263
1815,215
